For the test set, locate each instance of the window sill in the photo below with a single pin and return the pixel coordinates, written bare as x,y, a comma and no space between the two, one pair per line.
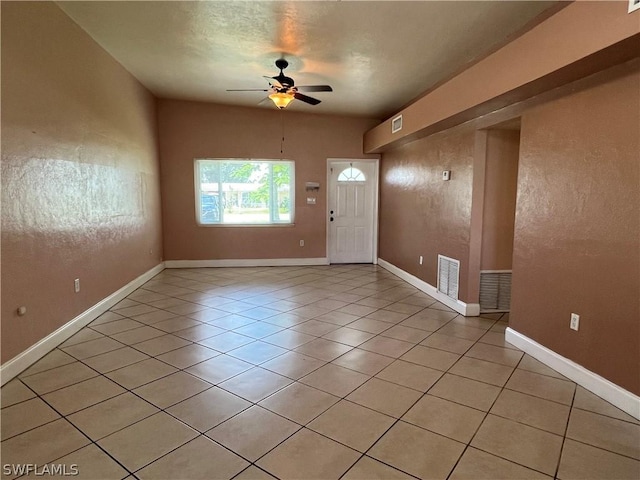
245,225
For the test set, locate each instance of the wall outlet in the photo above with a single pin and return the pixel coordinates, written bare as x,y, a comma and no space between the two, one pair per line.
76,285
302,243
420,260
575,321
446,175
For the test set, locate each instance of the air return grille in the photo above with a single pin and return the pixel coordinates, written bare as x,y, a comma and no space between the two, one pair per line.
448,276
495,291
396,124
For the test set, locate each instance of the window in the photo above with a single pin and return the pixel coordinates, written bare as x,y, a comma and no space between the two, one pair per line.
244,192
351,175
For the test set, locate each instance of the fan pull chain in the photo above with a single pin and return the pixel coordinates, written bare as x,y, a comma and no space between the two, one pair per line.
282,140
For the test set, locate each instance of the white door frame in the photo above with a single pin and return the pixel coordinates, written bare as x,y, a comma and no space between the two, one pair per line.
376,201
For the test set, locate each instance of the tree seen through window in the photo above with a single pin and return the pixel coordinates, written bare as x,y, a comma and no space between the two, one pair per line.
245,191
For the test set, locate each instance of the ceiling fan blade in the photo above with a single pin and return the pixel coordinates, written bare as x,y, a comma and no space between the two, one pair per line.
314,88
249,90
306,99
273,82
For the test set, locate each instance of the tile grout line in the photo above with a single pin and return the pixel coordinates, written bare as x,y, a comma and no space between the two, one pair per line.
398,419
254,404
91,442
566,429
486,414
294,381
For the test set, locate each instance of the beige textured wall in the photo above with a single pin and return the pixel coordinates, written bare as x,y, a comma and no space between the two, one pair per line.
576,240
420,214
190,130
577,233
501,176
80,179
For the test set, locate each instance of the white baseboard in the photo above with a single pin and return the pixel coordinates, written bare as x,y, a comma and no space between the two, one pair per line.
247,262
466,309
609,391
24,360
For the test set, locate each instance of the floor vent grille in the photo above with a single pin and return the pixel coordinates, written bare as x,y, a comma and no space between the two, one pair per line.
495,290
448,276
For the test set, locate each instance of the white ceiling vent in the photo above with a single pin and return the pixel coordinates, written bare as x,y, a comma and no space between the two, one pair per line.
495,290
448,276
396,124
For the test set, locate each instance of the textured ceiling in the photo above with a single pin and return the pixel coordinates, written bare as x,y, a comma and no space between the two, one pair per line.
377,56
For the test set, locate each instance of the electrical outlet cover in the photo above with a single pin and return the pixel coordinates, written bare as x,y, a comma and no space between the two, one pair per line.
575,321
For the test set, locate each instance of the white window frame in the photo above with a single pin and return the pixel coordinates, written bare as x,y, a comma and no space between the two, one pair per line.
272,199
343,177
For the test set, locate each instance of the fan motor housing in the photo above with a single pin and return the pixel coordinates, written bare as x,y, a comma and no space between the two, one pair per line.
285,81
281,63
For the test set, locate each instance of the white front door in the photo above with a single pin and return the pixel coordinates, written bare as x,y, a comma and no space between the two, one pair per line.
352,210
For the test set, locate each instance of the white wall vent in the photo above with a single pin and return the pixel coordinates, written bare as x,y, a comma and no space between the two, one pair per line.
495,290
396,124
448,276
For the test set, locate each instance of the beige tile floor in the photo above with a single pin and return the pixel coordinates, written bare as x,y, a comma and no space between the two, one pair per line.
304,372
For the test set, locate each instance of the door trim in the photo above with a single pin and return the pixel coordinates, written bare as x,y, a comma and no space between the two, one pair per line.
376,202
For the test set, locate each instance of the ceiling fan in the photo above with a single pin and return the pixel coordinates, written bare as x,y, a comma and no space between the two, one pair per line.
284,90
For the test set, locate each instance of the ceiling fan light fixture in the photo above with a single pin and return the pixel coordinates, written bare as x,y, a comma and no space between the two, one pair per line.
281,100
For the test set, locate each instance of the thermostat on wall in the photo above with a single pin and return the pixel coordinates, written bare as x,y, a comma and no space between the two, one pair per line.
446,175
